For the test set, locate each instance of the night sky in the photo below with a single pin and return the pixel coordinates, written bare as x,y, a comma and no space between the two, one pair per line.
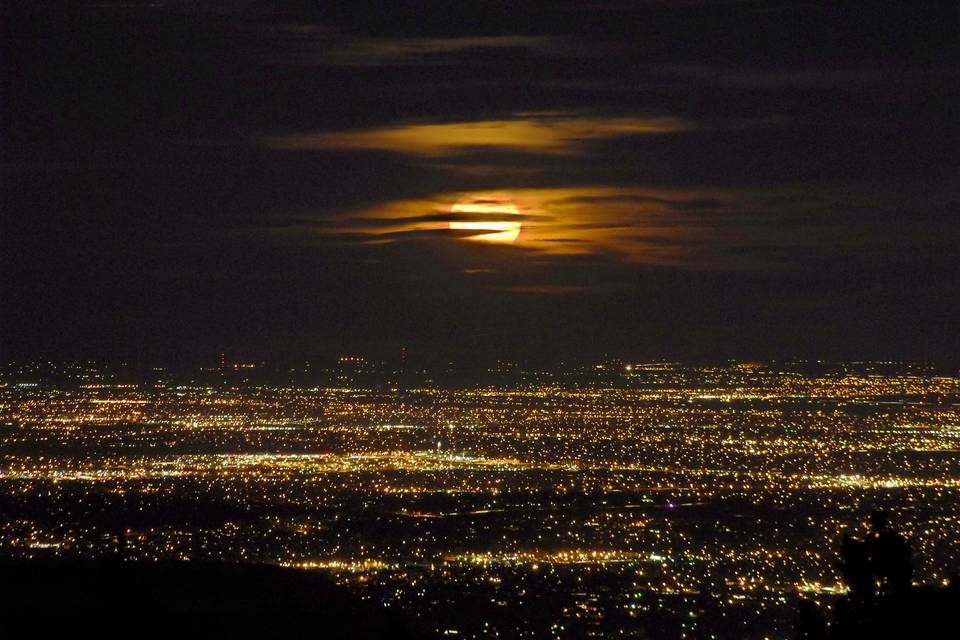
694,180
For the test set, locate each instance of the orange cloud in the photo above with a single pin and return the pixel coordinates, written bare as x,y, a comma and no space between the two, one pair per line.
542,134
696,228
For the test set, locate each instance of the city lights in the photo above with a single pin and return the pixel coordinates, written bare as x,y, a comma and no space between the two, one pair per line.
664,495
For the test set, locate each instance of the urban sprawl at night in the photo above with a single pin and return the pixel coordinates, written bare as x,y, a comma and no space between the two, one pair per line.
603,499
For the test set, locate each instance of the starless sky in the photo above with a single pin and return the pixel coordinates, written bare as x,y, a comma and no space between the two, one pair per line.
695,179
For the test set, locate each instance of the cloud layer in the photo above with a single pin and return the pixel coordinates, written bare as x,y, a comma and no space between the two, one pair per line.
693,178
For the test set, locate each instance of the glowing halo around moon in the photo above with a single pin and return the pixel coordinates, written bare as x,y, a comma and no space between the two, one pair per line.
488,207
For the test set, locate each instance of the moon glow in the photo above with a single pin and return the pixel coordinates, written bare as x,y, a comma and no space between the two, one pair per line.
488,208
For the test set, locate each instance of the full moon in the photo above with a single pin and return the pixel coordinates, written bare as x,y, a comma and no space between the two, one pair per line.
490,227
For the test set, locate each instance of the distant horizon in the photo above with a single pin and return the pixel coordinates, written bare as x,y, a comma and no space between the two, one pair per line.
234,366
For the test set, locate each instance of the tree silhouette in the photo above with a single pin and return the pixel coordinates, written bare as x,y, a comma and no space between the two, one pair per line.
881,602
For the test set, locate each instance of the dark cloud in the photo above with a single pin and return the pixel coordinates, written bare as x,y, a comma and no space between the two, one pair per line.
392,236
188,176
683,205
448,216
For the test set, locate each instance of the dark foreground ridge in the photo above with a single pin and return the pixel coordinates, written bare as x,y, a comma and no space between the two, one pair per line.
113,599
883,603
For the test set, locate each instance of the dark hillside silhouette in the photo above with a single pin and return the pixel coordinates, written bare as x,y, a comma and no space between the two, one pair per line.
882,603
111,599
